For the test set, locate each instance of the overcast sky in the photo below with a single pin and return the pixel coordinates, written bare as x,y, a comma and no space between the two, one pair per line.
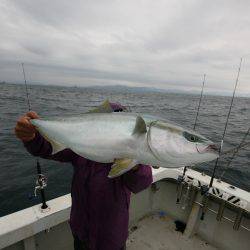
155,43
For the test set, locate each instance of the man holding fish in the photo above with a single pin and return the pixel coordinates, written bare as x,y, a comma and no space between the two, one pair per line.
100,205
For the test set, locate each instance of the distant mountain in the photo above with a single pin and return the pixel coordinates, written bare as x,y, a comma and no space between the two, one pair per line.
128,89
123,88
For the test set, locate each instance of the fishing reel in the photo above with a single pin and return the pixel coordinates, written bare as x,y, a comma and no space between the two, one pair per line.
41,183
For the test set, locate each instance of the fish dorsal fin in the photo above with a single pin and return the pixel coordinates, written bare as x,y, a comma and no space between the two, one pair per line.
140,126
121,166
105,107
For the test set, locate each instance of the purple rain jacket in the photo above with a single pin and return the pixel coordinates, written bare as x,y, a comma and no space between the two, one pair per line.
100,205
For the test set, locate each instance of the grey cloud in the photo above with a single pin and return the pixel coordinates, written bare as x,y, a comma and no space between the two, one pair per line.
167,44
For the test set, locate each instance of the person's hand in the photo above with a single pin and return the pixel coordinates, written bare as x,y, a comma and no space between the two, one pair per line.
24,130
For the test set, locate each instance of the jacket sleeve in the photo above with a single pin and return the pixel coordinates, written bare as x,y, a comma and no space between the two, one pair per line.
42,148
139,179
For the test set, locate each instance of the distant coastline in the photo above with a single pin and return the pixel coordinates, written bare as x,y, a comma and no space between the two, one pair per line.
129,89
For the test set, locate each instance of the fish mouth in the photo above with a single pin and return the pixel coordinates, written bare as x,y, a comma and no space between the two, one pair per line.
212,148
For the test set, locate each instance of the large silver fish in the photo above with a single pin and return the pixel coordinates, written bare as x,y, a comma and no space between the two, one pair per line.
127,139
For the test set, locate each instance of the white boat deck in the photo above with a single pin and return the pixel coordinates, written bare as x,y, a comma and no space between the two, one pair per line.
33,229
156,232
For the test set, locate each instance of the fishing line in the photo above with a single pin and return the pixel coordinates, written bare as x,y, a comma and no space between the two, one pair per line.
235,152
225,128
41,179
232,150
153,123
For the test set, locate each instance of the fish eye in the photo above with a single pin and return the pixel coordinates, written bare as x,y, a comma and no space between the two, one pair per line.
192,138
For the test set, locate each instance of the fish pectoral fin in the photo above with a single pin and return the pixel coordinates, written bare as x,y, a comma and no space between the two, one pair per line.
121,166
105,107
140,126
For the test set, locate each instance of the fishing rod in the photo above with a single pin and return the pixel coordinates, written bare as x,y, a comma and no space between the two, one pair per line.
225,128
25,82
180,179
205,189
41,181
198,109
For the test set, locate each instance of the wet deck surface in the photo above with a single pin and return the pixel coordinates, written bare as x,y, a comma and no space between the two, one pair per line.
156,232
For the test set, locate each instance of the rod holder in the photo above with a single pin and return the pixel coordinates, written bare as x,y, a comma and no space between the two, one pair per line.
238,219
221,210
193,194
180,182
204,207
187,197
205,192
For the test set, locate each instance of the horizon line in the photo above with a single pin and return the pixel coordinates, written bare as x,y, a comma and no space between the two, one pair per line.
150,89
